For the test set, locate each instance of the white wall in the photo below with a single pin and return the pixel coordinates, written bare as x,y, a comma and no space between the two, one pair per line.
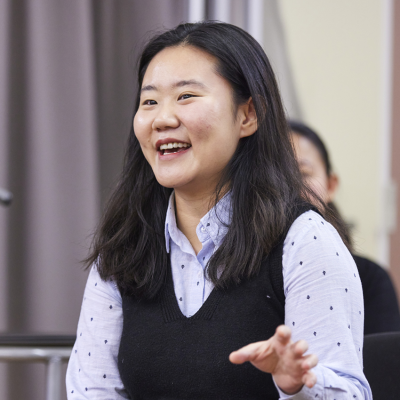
335,48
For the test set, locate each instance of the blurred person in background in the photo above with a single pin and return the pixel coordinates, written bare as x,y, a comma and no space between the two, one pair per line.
380,301
209,253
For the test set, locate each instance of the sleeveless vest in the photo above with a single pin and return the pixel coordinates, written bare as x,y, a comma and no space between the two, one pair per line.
165,355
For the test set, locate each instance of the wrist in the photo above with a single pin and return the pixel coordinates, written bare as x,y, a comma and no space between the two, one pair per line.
290,391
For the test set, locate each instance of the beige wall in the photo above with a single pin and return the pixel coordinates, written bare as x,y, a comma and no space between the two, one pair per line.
335,48
395,170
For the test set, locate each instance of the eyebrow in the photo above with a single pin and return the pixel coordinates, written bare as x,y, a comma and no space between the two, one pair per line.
148,88
190,82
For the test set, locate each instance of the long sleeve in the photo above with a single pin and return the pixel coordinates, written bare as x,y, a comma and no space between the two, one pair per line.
324,306
92,370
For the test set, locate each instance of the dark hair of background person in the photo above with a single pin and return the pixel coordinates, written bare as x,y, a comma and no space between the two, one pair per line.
263,176
313,137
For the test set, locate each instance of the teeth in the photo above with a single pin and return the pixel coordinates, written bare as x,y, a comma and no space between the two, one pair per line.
173,145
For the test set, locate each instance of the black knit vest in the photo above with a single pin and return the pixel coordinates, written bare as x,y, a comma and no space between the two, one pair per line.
165,355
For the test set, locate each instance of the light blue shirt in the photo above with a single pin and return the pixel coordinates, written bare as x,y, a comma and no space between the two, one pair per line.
191,286
324,306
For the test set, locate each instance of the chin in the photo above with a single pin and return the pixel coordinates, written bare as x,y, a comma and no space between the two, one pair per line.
171,183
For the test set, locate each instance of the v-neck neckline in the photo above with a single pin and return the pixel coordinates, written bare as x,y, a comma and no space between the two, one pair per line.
170,306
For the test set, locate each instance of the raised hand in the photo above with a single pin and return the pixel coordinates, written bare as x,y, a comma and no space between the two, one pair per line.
282,358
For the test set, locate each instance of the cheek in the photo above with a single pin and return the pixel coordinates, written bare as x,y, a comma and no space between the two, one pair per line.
208,123
199,124
319,185
141,128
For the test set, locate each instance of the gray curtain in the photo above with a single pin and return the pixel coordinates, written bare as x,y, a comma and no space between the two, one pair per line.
67,73
67,81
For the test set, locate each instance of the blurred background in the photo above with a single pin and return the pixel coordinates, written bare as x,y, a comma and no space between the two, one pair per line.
67,81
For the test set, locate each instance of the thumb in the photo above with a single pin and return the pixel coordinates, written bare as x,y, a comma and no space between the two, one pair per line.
247,353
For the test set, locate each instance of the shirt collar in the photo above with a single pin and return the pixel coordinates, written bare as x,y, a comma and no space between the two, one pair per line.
214,224
170,220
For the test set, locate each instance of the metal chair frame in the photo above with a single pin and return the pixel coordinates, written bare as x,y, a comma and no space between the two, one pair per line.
52,350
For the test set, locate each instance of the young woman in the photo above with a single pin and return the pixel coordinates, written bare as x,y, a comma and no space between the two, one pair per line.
380,301
208,255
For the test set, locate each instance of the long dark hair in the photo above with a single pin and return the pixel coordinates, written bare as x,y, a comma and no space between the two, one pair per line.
262,176
305,131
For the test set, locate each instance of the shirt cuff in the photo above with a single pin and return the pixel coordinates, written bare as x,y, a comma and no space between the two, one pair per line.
317,391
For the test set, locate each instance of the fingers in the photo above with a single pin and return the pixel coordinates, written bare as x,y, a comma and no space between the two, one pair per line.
309,362
283,334
300,347
246,353
262,349
296,373
285,360
309,379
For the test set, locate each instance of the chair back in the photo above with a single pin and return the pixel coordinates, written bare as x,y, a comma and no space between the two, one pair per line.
382,364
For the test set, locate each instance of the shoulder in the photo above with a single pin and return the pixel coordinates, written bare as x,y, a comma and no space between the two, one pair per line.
313,246
311,229
97,288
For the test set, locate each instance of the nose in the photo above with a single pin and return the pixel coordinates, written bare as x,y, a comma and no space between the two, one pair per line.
165,118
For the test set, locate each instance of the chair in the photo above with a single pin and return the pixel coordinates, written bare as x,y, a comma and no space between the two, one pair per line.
51,349
382,364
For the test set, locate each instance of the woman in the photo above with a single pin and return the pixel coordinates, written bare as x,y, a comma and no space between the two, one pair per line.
380,301
208,246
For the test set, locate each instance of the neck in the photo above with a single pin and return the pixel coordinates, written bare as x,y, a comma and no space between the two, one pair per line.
189,210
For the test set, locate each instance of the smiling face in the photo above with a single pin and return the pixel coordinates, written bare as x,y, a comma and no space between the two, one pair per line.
313,168
186,124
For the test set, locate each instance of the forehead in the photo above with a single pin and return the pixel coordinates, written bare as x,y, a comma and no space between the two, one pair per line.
306,152
180,63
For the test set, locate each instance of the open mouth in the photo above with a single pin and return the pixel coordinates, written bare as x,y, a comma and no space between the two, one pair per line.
176,147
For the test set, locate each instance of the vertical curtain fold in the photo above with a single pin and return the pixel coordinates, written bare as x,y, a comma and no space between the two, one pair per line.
62,203
4,62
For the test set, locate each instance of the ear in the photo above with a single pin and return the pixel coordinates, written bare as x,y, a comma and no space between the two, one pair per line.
333,184
248,118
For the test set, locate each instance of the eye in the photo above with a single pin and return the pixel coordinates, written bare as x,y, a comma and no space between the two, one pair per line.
186,96
149,103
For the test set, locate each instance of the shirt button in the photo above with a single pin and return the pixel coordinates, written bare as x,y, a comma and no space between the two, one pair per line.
199,275
203,229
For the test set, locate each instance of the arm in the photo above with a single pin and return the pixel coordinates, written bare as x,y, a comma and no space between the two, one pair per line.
324,307
92,369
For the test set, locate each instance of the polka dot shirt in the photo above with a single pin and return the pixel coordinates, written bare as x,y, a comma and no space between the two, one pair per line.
324,306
